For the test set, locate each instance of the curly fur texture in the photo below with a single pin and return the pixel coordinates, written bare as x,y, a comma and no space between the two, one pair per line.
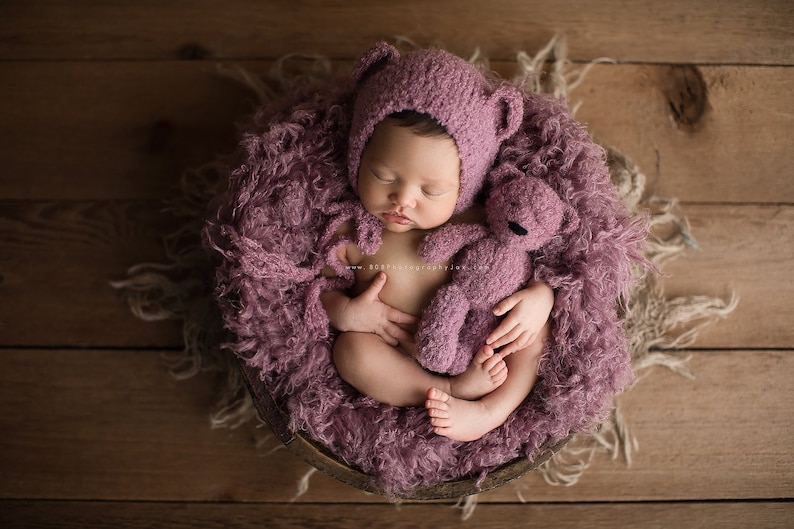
267,231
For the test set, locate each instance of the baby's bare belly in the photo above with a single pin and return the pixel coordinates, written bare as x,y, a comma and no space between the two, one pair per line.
408,289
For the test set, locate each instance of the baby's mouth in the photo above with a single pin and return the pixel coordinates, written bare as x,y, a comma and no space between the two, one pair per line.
396,218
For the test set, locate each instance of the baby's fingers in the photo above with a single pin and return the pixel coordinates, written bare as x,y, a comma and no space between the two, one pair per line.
387,335
521,341
502,335
393,334
389,339
398,316
400,334
374,288
506,305
505,332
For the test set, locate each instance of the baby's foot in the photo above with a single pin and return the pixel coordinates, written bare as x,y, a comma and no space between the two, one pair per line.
486,372
458,419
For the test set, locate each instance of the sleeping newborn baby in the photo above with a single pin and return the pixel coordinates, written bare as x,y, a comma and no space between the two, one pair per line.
425,132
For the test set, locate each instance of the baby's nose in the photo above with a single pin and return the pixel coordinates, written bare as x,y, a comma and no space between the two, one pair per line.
403,198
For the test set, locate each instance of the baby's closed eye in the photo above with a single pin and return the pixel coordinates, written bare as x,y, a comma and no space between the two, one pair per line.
435,191
382,178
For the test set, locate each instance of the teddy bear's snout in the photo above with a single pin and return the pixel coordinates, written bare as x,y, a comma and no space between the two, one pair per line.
517,228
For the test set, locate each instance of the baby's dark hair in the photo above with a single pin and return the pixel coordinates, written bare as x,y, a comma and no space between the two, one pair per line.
420,123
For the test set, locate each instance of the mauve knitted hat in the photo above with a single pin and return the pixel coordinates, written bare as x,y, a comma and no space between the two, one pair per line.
477,114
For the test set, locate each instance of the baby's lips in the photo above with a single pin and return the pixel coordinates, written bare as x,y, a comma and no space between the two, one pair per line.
396,218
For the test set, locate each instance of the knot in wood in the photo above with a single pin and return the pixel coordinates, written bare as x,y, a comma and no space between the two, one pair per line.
686,96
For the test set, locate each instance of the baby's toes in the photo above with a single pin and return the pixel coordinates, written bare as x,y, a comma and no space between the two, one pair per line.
437,400
439,422
494,364
437,413
484,354
500,377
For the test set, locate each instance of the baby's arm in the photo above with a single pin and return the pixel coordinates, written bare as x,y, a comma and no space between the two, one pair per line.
367,313
527,312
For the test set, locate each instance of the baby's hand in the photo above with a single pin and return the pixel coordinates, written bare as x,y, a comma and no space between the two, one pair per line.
367,313
529,311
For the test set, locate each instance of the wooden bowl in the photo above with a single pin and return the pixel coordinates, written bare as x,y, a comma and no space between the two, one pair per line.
321,458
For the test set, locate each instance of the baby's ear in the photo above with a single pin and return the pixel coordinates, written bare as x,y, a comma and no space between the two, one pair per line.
508,108
372,60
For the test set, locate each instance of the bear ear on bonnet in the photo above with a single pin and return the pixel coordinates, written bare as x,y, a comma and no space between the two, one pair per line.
506,102
372,60
508,105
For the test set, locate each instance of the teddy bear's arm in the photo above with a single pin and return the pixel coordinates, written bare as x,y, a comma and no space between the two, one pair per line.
448,240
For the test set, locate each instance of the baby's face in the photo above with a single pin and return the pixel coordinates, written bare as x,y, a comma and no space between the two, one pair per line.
409,181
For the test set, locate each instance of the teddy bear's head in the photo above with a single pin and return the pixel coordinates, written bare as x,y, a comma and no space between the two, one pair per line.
524,212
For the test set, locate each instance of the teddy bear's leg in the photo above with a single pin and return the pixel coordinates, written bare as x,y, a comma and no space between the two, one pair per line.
437,336
476,327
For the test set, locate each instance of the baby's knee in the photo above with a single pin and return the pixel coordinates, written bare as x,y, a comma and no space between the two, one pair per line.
343,347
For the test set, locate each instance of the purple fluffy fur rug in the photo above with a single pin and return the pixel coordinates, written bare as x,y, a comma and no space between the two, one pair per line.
265,234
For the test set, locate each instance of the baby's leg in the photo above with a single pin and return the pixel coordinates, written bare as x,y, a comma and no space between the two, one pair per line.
468,420
388,375
379,370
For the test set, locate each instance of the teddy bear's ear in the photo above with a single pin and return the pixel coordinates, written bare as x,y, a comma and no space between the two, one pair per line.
508,106
372,60
570,220
502,173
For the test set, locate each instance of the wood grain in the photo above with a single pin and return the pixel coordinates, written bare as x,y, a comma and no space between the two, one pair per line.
57,259
113,425
733,149
677,31
746,251
76,131
135,515
129,129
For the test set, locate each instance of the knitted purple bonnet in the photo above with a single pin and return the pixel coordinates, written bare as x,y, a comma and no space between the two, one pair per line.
478,115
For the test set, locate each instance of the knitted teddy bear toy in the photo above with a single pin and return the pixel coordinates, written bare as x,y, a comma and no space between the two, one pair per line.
490,263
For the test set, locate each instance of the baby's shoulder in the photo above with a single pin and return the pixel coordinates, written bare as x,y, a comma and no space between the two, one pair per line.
346,228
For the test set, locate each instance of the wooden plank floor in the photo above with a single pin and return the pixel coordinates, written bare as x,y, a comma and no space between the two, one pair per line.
104,104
